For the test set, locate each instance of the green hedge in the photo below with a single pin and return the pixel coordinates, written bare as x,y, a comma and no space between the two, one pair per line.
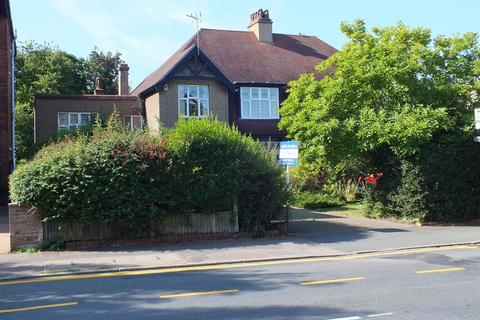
214,165
440,184
135,178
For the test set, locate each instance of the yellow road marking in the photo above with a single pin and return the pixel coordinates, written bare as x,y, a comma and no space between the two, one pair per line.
201,293
236,265
58,305
440,270
308,283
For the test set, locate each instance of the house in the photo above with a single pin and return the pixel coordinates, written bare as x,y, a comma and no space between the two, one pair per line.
239,77
7,98
57,112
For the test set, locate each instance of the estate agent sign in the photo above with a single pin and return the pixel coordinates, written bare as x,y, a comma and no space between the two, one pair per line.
288,155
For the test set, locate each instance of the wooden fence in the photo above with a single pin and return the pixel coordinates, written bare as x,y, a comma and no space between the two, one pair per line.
182,224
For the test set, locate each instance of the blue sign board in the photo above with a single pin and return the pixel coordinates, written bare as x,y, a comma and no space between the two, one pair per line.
288,162
288,154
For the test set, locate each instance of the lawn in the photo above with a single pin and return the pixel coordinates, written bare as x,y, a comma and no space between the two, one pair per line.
351,209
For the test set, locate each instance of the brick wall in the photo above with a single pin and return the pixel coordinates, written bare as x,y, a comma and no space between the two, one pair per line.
26,228
5,106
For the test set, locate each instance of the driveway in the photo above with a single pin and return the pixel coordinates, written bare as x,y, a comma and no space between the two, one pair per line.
4,234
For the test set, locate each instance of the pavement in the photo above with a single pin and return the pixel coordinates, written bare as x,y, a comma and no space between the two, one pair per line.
312,234
4,235
430,284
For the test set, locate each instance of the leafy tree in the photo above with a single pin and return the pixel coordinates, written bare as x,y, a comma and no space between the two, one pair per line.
391,90
105,66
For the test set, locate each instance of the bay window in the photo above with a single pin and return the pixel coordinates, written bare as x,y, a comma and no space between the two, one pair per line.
193,101
259,103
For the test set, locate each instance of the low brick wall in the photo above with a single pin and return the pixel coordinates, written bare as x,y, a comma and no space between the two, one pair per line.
26,228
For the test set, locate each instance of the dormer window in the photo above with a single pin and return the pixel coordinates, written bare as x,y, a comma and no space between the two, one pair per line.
259,103
193,101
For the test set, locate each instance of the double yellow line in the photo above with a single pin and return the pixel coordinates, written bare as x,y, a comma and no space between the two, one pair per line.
236,265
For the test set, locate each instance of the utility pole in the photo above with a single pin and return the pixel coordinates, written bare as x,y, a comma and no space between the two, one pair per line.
197,18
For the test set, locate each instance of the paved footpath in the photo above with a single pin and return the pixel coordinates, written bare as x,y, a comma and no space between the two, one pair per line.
312,234
4,235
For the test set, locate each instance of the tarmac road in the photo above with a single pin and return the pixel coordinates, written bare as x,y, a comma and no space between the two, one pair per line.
430,283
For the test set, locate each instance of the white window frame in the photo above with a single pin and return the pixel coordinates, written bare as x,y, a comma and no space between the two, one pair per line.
246,103
188,98
69,125
132,116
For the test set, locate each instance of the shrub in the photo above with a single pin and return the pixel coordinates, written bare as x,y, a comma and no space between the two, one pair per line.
451,170
440,184
111,176
133,178
315,200
214,165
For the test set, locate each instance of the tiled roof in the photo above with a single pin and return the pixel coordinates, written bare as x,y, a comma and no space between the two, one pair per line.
242,58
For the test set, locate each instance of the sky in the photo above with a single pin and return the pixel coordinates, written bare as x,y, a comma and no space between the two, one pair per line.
147,32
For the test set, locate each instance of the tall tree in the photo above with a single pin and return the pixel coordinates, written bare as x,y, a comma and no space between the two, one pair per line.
105,66
393,89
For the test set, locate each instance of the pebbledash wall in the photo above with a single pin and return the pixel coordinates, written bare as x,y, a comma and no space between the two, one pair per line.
27,229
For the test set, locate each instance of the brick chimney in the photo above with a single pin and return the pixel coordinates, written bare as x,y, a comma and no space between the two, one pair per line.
261,26
123,80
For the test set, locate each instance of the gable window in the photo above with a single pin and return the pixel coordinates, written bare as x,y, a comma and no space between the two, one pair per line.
193,101
133,122
73,120
259,103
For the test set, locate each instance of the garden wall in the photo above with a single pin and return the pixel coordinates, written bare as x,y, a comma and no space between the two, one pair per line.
27,230
25,225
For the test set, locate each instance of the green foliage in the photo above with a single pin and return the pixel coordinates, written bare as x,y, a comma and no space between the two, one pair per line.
409,200
109,176
451,172
214,165
42,68
386,97
105,66
54,244
394,87
315,200
133,178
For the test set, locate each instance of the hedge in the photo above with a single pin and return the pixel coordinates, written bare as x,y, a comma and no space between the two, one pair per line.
134,178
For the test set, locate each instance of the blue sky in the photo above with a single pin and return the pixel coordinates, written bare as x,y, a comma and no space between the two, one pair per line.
147,32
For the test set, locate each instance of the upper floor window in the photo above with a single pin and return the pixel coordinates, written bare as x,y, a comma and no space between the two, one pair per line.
73,120
133,122
193,101
259,103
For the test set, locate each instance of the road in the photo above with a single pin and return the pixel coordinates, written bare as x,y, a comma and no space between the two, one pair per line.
431,283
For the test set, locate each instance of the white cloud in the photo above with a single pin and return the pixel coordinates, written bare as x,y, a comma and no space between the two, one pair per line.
113,29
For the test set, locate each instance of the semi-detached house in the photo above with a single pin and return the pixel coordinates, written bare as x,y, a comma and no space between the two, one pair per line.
239,77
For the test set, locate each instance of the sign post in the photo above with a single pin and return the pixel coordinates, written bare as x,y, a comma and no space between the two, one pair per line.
477,118
477,123
288,156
